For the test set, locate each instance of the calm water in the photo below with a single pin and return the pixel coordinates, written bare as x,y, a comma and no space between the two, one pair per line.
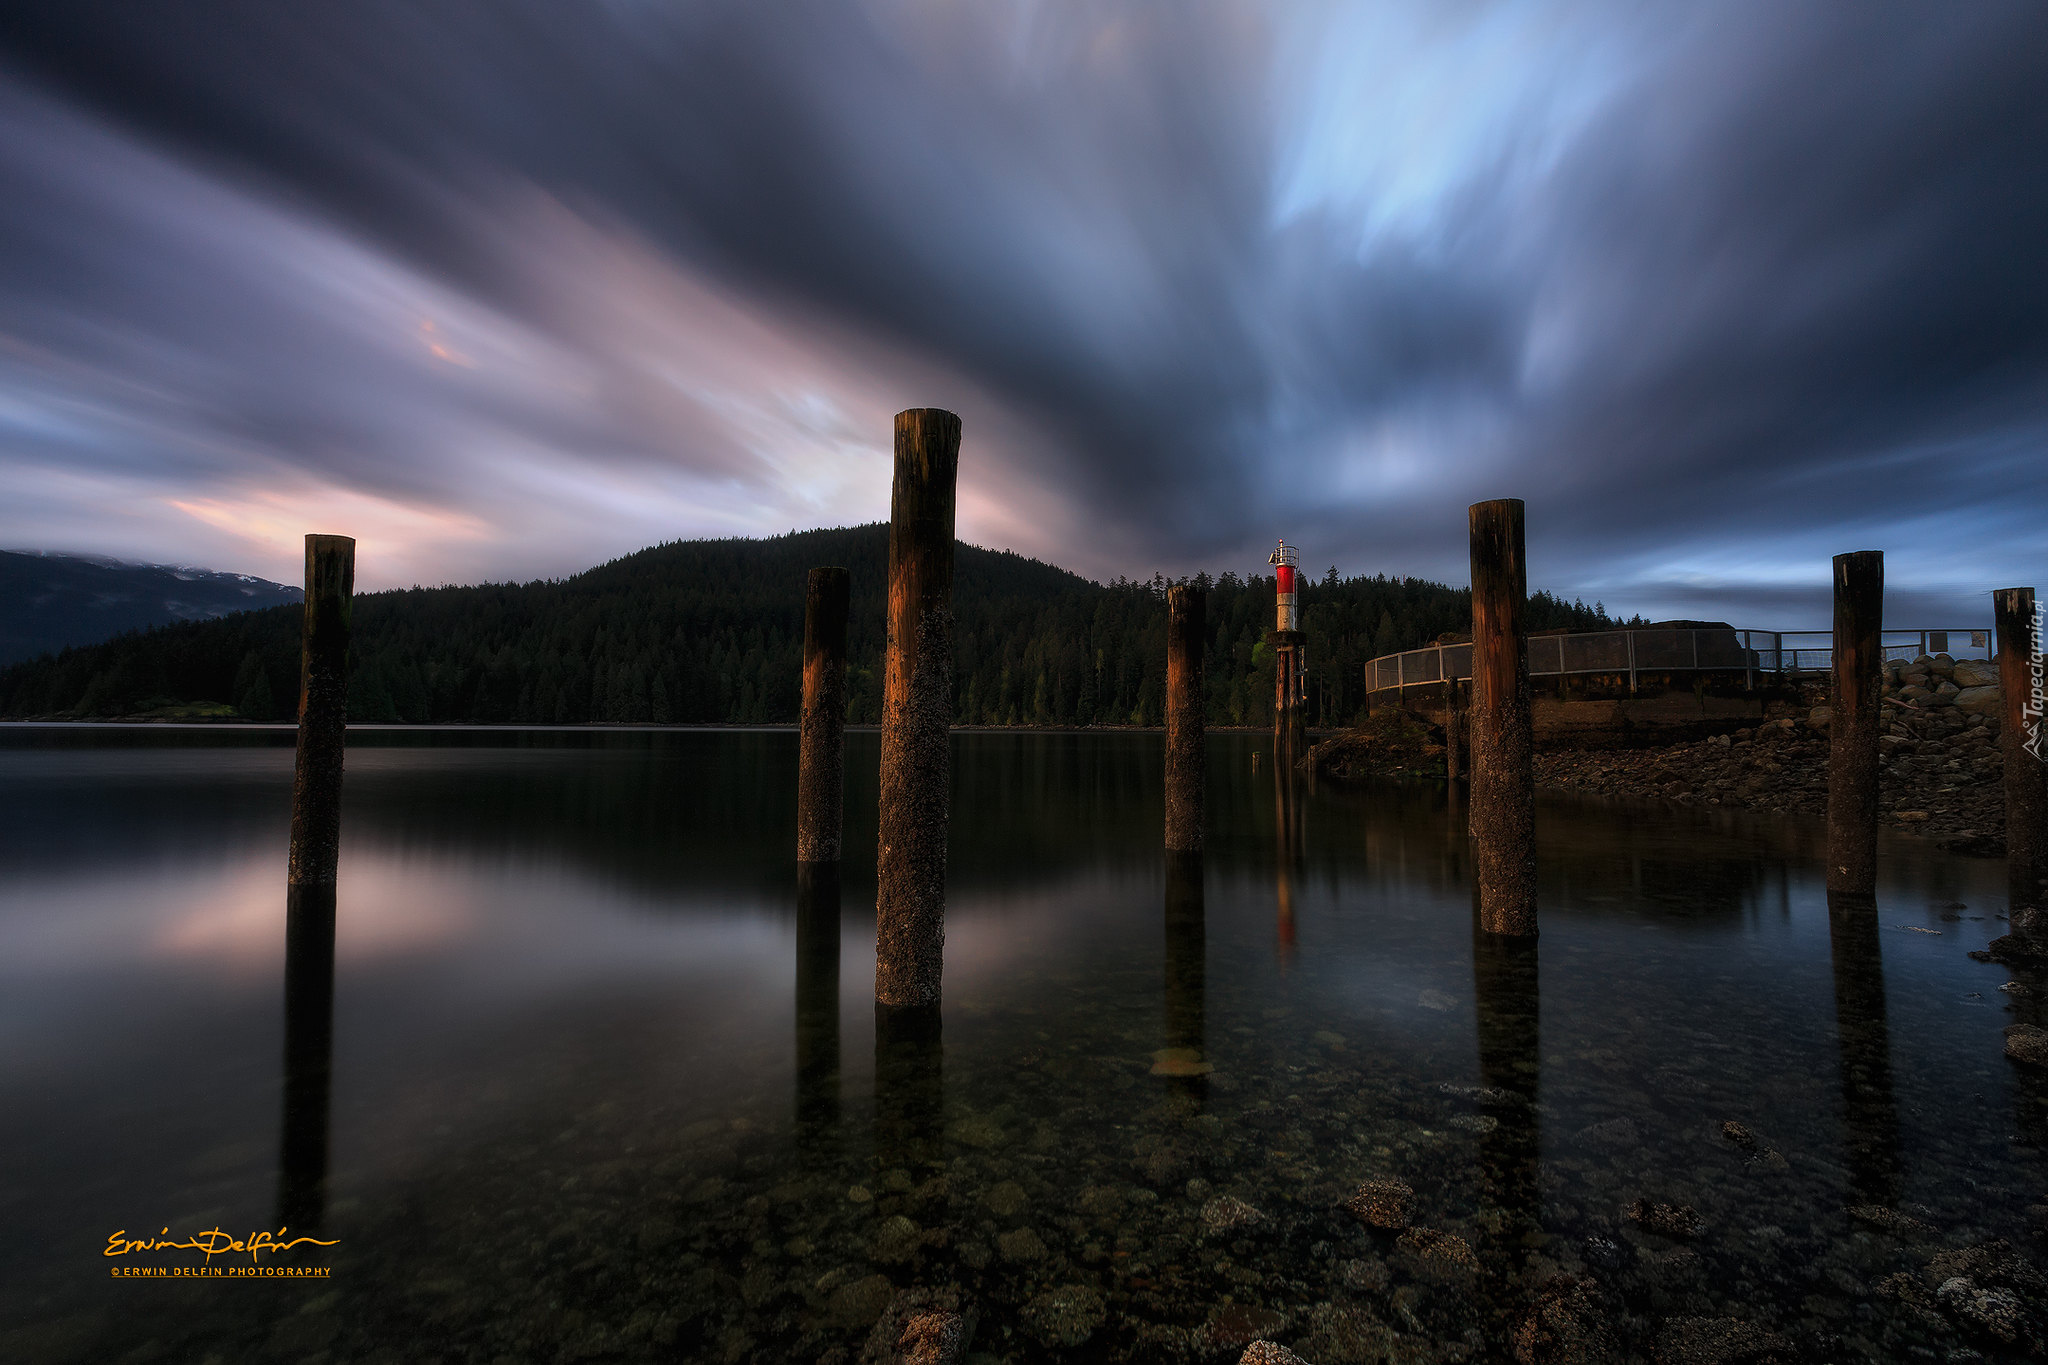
602,1089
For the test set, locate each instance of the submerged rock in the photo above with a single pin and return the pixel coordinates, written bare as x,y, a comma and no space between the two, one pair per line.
977,1130
1066,1315
1006,1200
1566,1325
1994,1312
1667,1220
1612,1137
859,1303
1347,1334
1021,1246
921,1327
1180,1061
897,1239
1266,1353
1232,1325
1443,1249
1226,1212
1363,1274
2027,1044
1720,1341
1381,1203
1891,1221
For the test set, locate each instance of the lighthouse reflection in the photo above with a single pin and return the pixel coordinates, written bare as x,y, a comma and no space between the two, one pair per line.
308,1056
1289,839
817,999
1183,1059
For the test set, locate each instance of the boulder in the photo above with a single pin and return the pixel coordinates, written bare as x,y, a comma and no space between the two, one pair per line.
1381,1203
1983,700
1065,1316
1566,1326
1267,1353
1974,673
921,1327
2027,1044
1668,1220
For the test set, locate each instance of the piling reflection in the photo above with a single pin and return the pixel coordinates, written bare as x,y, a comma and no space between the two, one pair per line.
1869,1113
308,1055
1505,984
910,1087
1184,1058
817,999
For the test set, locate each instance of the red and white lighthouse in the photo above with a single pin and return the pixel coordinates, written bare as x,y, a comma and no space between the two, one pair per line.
1290,651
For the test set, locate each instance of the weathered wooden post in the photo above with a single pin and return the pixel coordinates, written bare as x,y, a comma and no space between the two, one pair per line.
323,709
1503,781
2023,735
1853,729
821,756
917,707
1187,767
817,995
308,1055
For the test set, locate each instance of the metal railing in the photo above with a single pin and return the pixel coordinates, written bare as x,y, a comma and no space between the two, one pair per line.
1682,649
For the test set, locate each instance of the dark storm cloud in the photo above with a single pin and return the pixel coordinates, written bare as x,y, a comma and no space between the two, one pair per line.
1718,293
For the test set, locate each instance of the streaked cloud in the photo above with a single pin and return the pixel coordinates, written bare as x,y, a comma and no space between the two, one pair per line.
521,287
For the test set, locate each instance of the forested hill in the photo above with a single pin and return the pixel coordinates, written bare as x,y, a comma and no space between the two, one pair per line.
712,631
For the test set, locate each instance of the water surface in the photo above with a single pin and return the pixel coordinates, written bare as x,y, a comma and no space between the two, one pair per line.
603,1082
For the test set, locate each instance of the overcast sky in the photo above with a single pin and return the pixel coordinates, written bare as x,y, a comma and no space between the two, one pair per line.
507,289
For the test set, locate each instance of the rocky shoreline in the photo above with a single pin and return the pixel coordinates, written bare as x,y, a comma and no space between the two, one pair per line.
1941,776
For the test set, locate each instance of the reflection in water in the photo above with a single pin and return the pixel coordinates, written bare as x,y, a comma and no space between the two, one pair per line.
1187,949
1506,987
1289,837
1870,1116
592,1036
817,998
308,1055
910,1086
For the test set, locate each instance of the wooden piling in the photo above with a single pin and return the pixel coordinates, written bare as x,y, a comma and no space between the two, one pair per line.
323,709
917,703
821,757
1855,723
1503,780
308,1055
2023,736
1187,769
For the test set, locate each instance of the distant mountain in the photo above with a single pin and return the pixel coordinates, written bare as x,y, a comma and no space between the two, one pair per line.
50,602
711,631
